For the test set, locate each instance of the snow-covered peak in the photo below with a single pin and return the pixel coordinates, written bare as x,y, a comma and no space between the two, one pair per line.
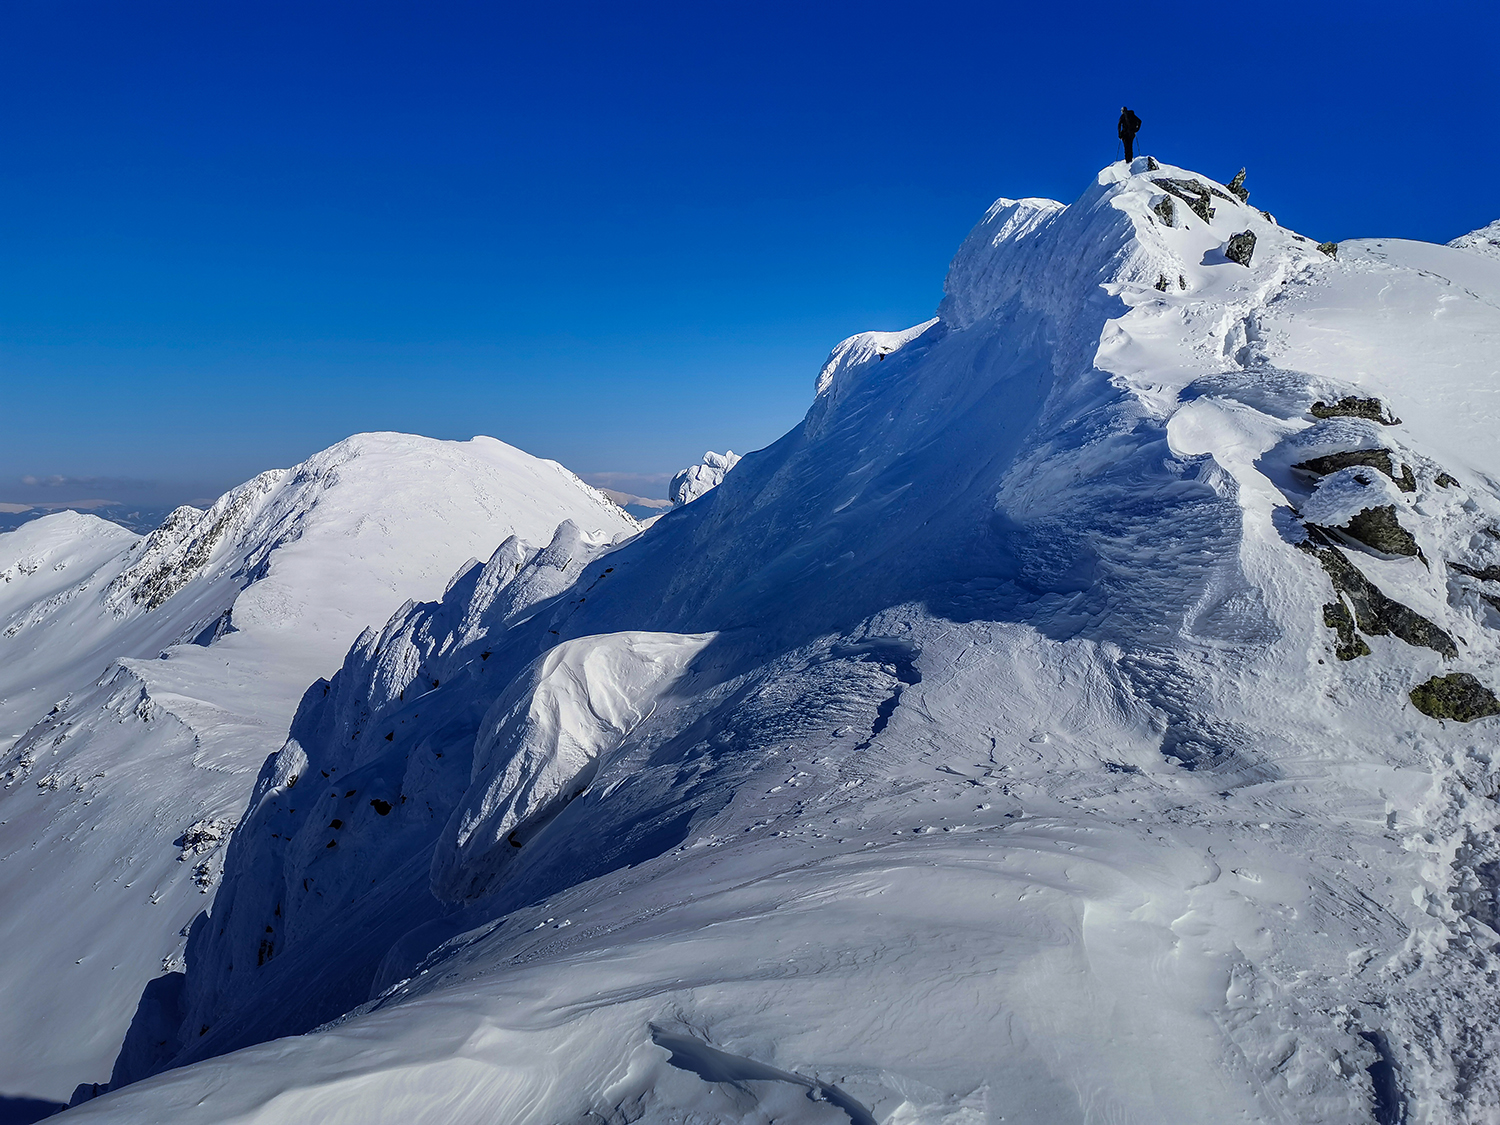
1485,240
55,551
1081,660
143,682
690,483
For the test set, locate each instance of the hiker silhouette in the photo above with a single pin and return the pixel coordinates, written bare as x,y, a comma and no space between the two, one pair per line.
1130,124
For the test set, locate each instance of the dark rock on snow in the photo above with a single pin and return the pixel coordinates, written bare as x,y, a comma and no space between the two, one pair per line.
1350,644
1456,696
1369,408
1374,613
1240,247
1380,530
1373,458
1191,192
1484,574
1237,187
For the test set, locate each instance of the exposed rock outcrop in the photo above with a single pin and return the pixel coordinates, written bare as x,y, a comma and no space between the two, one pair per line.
1240,247
1352,407
1192,192
1237,187
1373,458
1375,614
1456,696
1350,644
1483,573
1379,529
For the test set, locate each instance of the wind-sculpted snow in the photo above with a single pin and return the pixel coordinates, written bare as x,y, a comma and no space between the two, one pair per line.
144,681
542,743
1027,735
692,482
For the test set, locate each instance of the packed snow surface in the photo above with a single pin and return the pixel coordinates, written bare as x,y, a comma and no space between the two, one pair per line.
1029,735
143,681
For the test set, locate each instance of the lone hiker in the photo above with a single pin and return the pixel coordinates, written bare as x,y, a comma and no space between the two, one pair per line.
1130,124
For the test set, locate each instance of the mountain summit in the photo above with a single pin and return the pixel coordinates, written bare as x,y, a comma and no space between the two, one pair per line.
143,681
1085,713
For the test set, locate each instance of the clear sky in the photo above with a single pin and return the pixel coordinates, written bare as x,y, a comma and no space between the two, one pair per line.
612,234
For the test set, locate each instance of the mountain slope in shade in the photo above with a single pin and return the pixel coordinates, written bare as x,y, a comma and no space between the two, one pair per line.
1086,713
146,679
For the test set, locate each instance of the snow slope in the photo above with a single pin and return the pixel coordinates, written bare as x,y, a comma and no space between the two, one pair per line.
983,750
144,680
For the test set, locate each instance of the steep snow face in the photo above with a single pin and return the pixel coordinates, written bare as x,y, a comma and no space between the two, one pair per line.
542,743
1099,675
695,480
1485,240
175,663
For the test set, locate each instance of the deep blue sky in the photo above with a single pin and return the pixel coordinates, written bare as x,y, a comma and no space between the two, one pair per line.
611,234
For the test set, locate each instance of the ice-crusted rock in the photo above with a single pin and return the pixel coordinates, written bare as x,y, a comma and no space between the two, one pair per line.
690,483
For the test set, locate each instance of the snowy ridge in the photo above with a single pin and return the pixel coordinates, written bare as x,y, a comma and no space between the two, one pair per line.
1485,240
144,682
185,544
1084,684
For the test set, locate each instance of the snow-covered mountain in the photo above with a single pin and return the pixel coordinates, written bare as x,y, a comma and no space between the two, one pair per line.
143,681
1084,715
1485,240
